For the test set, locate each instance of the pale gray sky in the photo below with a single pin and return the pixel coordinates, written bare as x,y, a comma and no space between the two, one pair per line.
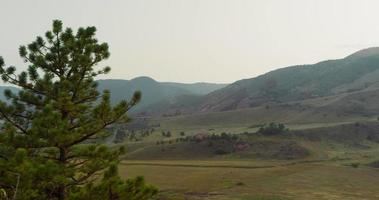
201,40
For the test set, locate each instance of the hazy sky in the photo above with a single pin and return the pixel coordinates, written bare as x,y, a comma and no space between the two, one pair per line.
201,40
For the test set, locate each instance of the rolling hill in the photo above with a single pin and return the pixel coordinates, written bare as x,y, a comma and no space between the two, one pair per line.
355,72
154,92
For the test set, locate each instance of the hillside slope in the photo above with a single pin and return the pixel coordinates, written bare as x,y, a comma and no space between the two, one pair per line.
341,108
352,73
153,91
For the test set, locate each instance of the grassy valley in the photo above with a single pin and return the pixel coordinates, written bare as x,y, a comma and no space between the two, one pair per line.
327,149
306,162
250,100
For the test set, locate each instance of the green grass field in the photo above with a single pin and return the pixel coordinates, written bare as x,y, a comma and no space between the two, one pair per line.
336,167
234,180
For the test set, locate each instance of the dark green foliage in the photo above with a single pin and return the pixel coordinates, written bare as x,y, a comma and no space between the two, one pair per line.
166,134
272,129
240,184
51,125
229,137
220,152
355,164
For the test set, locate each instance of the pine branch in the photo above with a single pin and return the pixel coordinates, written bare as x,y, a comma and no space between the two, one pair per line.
7,118
87,99
105,124
26,86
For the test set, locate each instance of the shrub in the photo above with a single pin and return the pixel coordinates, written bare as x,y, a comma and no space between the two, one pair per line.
355,164
168,134
272,129
240,184
220,152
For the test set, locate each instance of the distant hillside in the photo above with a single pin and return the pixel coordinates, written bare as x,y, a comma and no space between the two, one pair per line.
153,91
356,106
352,73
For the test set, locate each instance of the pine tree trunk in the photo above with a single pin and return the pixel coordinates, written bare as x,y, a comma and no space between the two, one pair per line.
62,188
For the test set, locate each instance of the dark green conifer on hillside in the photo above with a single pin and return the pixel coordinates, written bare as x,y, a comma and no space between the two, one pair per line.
48,147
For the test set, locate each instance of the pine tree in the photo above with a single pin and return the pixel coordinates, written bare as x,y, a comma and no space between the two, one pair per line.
49,144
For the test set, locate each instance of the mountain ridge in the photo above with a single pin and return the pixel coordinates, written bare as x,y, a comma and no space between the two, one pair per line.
292,83
357,71
152,90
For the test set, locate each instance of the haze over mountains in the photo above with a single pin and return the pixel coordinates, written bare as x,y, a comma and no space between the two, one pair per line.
153,91
358,72
355,72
